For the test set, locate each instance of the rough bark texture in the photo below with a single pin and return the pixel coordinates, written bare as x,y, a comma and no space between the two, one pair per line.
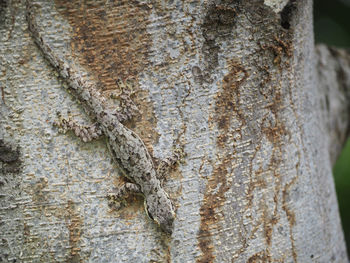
234,83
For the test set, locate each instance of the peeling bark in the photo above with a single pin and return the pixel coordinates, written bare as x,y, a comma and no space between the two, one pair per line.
260,114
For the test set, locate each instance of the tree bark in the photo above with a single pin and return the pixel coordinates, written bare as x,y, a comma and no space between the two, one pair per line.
259,112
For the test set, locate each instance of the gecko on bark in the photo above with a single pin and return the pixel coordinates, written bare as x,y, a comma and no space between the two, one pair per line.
126,147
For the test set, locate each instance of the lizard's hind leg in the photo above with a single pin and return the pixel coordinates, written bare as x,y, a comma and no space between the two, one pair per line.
166,165
86,133
117,199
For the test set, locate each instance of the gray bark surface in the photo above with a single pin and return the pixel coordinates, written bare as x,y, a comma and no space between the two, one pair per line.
260,114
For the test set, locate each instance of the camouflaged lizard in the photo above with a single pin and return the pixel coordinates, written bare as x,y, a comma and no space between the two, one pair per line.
126,147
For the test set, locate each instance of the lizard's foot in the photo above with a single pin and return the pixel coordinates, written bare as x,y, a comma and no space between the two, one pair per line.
166,165
127,108
117,198
84,132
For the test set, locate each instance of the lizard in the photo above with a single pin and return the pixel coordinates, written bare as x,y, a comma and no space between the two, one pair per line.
126,147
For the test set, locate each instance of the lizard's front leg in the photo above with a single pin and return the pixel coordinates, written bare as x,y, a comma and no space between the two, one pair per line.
127,109
86,133
166,165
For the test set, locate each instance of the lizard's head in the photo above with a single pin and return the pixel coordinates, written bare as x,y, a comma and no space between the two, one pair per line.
160,209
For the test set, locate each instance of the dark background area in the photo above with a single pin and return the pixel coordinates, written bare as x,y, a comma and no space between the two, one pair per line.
332,27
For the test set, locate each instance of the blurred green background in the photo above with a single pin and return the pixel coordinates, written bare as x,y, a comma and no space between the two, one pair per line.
332,26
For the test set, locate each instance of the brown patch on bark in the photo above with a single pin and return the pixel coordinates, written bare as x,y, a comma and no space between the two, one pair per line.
68,213
279,48
72,219
275,131
268,223
228,101
74,224
26,230
226,108
110,40
290,214
2,94
259,257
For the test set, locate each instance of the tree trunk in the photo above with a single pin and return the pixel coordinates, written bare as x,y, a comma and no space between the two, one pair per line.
236,84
